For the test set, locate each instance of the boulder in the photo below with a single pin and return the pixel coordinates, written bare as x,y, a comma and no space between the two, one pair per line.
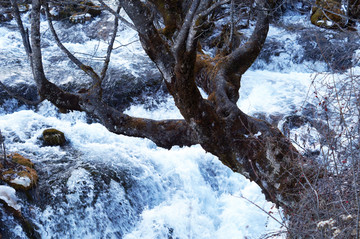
53,137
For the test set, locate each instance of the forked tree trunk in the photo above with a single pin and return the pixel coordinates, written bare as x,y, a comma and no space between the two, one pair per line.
247,145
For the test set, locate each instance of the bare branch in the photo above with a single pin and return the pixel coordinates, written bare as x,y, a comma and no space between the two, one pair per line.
242,58
116,14
110,47
180,41
87,69
212,7
232,23
24,33
164,133
191,44
46,89
155,47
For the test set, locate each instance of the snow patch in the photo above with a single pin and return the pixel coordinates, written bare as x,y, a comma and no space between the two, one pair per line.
7,194
24,181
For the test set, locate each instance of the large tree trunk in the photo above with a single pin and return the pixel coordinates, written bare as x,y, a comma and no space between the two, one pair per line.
247,145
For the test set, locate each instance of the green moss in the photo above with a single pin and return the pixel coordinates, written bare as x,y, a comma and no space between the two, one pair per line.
53,137
17,158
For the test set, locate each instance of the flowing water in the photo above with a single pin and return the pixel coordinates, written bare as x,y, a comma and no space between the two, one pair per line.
102,185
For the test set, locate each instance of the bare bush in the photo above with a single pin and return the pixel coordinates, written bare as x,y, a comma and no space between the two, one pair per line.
329,206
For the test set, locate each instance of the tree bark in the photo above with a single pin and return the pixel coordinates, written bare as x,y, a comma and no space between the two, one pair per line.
247,145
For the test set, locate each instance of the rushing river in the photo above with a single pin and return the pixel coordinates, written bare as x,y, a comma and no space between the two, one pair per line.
102,185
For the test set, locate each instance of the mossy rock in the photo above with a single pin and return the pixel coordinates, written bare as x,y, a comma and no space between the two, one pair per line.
17,158
53,137
19,173
328,14
20,178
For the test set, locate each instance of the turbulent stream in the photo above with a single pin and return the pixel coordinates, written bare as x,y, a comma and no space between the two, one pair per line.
102,185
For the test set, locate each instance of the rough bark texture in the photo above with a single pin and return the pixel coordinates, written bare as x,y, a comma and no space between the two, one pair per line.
247,145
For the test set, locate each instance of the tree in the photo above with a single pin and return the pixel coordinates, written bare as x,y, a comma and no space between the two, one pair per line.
245,144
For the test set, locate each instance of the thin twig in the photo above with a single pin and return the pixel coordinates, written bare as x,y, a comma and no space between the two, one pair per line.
123,45
282,224
232,27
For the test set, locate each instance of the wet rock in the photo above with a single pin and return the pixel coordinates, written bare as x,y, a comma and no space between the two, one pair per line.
294,121
328,14
53,137
26,90
5,17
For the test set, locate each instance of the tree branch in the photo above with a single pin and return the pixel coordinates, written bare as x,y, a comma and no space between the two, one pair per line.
87,69
110,47
191,43
46,89
180,42
165,133
232,23
212,7
155,47
244,56
172,13
24,34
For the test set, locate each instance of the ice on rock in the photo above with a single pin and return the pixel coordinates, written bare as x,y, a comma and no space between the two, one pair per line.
7,194
24,181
